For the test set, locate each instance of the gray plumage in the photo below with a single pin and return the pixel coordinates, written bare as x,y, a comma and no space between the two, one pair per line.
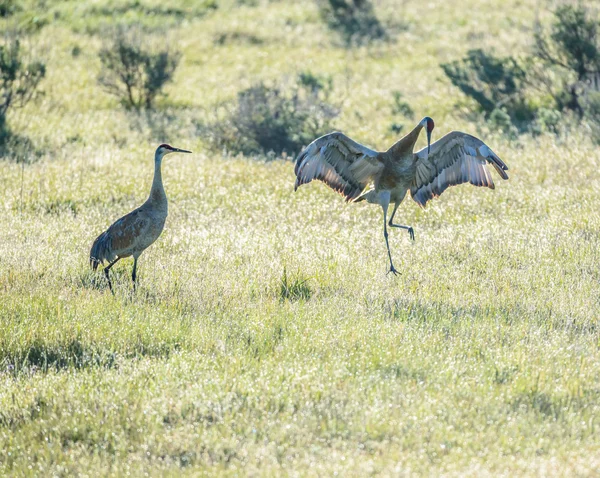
349,167
136,231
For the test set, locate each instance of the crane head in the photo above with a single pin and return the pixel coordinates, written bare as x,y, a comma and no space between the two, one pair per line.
165,149
428,124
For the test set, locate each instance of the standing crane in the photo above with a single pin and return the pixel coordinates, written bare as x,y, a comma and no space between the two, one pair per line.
134,232
348,167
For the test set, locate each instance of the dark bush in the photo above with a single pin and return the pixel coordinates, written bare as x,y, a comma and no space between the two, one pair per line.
275,119
8,7
135,71
354,20
19,81
402,109
493,82
591,109
572,47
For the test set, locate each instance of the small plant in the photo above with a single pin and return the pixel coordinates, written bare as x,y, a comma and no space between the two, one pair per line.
547,120
316,83
500,120
294,289
400,108
275,119
134,72
19,81
8,7
354,20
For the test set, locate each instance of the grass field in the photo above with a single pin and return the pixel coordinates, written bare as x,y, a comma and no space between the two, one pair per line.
265,337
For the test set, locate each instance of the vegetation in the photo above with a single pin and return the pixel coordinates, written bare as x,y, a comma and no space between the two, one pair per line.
273,119
494,83
572,47
564,64
265,338
133,72
19,81
354,20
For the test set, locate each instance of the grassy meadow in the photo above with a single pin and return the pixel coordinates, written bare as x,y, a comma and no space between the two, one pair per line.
265,337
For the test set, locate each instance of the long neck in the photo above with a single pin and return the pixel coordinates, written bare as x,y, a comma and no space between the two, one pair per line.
407,143
157,192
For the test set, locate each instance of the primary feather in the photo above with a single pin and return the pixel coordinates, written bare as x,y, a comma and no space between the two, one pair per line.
343,164
456,158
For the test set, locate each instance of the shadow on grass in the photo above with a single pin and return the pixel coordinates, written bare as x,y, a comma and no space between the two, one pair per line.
17,149
40,356
554,406
417,311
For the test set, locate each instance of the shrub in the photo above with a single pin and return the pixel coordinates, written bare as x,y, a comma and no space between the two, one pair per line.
275,119
400,108
500,120
493,82
8,7
547,121
354,20
19,81
592,114
572,47
134,71
294,288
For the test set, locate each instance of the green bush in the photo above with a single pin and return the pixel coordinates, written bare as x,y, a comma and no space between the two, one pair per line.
591,108
571,48
500,120
8,7
547,121
493,82
354,20
19,81
275,119
400,109
134,71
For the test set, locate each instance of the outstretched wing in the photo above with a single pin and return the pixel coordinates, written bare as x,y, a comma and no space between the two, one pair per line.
454,159
343,164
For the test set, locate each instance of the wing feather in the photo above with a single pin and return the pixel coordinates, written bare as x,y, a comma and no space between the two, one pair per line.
343,164
454,159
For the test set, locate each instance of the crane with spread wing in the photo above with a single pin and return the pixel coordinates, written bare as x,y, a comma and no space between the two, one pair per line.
349,167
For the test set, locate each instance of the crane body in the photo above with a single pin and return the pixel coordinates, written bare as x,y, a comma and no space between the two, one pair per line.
135,232
349,167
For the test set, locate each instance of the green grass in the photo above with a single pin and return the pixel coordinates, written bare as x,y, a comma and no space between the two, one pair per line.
265,337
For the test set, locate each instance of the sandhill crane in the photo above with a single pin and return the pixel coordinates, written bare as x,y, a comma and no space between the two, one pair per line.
134,232
348,167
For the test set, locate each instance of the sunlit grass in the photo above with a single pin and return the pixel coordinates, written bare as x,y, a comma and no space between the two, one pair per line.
265,336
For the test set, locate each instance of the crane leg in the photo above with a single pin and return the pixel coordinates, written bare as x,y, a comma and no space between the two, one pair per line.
384,206
410,230
106,269
133,273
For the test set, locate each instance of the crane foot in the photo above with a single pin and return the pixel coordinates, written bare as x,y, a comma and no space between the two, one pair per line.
411,233
393,271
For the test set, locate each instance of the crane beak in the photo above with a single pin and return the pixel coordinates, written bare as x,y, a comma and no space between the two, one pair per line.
428,141
177,150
